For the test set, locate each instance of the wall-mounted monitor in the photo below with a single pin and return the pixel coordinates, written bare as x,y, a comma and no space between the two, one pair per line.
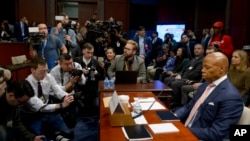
176,29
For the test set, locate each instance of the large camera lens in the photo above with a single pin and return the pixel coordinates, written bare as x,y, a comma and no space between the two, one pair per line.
76,72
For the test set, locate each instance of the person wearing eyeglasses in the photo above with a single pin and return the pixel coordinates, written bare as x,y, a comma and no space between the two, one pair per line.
129,61
40,112
11,127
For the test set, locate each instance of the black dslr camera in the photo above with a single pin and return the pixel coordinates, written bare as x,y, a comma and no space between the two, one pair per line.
92,73
76,72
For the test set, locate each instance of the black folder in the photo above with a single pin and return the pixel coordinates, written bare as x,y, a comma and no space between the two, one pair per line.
137,132
167,116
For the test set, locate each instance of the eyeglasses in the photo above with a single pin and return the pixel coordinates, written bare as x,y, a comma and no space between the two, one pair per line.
127,49
43,71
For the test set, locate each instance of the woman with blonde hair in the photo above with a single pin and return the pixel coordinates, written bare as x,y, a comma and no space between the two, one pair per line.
239,73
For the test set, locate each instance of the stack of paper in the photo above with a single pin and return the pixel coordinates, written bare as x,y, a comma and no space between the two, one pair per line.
149,103
163,128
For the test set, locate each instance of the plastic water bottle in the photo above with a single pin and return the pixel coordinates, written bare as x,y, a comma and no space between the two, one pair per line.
106,83
111,84
137,107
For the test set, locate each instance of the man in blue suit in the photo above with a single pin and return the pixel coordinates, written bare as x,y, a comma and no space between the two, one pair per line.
222,106
21,30
144,45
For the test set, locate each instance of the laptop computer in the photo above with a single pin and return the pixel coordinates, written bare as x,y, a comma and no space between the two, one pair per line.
126,77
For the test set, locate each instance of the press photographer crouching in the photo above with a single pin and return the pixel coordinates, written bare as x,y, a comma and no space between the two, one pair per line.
70,77
5,75
91,71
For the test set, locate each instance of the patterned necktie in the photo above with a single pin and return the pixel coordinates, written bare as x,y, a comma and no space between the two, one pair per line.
198,103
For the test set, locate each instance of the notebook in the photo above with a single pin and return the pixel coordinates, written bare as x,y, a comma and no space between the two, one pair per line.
163,128
126,77
136,132
167,116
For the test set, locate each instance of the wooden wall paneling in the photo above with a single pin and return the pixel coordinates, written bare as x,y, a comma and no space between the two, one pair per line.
32,9
239,23
118,10
86,1
86,11
51,7
7,50
177,12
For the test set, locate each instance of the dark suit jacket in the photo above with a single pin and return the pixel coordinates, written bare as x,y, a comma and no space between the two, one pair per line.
18,32
147,45
222,108
189,47
156,47
193,69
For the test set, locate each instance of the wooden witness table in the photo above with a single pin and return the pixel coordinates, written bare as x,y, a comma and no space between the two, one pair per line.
109,133
158,88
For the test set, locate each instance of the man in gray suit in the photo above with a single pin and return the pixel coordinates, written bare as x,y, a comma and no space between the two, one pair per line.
129,61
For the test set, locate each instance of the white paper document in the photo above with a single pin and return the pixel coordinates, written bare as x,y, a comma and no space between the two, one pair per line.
163,128
144,99
106,101
139,120
156,106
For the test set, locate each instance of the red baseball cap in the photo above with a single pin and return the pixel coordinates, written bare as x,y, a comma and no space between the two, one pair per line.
218,24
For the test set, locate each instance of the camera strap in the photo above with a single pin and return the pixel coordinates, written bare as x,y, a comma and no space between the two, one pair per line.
62,76
43,45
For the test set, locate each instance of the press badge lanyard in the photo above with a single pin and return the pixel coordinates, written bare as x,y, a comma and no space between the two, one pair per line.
43,47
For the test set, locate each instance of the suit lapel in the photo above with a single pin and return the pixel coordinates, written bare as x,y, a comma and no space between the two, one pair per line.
217,91
120,63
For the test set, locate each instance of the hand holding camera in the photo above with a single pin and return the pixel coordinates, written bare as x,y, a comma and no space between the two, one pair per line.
67,100
85,70
67,38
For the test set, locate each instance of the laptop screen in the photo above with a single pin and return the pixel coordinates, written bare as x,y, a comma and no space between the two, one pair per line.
126,77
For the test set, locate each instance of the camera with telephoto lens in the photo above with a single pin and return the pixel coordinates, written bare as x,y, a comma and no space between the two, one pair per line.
69,25
79,99
92,70
76,72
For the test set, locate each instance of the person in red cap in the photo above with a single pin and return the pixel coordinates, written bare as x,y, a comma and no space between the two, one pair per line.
221,41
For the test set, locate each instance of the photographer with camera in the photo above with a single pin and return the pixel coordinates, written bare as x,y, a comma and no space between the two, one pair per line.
91,71
11,127
68,73
220,40
46,46
5,75
38,113
70,77
118,37
67,35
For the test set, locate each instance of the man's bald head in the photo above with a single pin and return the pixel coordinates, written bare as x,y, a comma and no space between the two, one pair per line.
215,65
